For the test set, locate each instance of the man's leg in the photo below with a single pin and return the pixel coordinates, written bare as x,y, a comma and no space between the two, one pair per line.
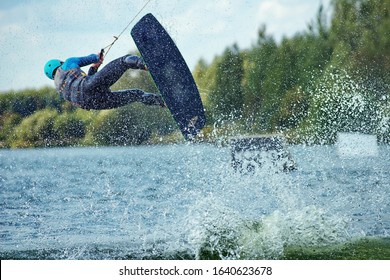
110,100
111,73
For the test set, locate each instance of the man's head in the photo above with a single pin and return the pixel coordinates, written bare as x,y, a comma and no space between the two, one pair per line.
51,67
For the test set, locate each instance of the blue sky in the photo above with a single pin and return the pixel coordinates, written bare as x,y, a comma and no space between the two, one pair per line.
32,32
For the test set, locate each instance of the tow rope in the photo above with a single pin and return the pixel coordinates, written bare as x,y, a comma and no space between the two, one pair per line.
103,51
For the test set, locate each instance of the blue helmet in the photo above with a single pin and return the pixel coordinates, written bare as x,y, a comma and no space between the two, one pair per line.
51,66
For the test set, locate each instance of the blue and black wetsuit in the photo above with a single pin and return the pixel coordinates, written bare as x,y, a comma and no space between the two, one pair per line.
92,91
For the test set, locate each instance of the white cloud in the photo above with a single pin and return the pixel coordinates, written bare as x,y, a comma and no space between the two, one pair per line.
271,10
285,18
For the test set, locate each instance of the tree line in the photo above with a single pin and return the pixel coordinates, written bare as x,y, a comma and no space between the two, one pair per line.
39,118
332,77
329,78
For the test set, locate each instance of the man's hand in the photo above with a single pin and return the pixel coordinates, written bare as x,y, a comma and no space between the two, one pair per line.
101,59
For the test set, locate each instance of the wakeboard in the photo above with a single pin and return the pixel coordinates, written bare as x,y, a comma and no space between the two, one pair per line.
171,75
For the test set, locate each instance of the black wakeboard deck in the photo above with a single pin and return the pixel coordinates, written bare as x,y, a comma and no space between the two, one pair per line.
171,75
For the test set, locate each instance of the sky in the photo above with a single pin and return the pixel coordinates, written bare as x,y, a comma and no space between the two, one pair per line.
34,31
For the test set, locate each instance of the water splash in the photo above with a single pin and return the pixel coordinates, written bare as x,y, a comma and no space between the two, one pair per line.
341,103
221,233
257,216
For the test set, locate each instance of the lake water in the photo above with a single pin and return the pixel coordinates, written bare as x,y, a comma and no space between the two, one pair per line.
180,201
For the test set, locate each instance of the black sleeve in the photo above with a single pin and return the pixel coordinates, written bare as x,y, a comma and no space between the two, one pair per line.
92,71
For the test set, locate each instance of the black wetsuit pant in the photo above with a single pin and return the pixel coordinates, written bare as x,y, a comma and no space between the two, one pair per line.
96,93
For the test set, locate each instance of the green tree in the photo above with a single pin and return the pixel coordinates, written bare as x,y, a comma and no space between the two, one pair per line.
360,30
8,121
35,130
68,128
226,97
129,125
258,62
205,78
302,59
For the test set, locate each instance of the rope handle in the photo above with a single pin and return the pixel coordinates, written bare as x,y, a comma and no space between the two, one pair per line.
101,54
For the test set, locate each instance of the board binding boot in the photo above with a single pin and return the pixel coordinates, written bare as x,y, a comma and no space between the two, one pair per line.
153,99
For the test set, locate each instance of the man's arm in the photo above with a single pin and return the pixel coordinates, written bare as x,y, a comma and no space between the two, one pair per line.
75,62
87,60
